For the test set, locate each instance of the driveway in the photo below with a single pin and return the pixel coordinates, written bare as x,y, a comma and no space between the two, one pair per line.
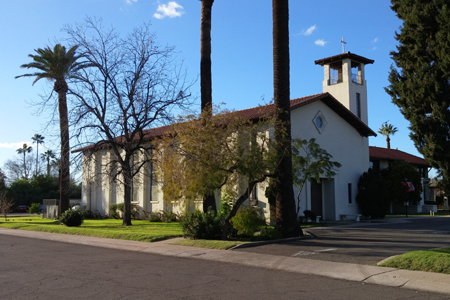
364,243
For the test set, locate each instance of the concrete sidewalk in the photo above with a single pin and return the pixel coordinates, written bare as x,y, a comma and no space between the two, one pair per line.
424,281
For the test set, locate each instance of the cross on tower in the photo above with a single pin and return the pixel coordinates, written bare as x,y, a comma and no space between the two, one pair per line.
343,45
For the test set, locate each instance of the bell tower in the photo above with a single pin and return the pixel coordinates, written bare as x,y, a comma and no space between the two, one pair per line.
344,79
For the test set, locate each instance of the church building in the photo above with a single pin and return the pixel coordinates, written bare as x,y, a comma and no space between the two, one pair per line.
337,118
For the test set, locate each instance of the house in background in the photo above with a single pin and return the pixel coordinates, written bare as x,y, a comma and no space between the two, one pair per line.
435,192
380,158
336,118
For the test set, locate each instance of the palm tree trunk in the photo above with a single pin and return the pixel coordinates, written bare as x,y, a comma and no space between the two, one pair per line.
48,165
205,56
64,179
388,142
24,166
285,203
37,158
206,78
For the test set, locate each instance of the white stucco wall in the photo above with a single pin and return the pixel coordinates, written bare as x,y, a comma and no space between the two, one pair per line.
346,146
338,137
99,190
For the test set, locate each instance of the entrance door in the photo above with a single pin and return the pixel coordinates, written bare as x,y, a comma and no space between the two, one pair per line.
316,197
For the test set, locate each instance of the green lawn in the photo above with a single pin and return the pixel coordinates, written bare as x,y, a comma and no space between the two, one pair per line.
211,244
109,228
434,260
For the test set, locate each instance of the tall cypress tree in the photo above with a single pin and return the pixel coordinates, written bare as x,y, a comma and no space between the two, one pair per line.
419,81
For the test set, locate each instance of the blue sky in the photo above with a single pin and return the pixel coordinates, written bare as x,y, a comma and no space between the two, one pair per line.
241,52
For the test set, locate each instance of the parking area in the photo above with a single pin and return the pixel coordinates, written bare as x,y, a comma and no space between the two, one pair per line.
364,243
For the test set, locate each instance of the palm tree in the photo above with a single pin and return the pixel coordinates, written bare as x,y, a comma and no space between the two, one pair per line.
387,130
48,156
38,139
24,150
285,205
206,78
59,65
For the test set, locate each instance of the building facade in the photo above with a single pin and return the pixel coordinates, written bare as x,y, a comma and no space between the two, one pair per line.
337,118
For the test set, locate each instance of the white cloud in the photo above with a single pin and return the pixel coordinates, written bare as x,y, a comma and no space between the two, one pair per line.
171,10
14,145
374,40
309,31
130,1
320,43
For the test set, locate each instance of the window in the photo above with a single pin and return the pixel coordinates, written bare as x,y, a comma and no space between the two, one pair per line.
335,73
253,197
151,182
375,165
254,193
358,105
350,200
319,121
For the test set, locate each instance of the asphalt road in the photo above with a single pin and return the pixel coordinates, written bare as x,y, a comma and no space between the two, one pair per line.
364,243
41,269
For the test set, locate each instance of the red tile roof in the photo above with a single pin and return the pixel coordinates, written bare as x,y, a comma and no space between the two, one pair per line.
394,154
256,113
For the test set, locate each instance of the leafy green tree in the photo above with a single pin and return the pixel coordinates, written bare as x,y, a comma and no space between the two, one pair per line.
285,204
387,130
47,187
38,139
373,195
59,65
419,81
396,176
24,150
22,192
2,181
310,162
225,152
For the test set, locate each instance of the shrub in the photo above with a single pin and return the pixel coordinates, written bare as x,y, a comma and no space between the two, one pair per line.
113,213
269,233
35,208
394,177
72,218
115,208
169,216
226,203
200,225
247,221
310,215
154,217
87,214
373,195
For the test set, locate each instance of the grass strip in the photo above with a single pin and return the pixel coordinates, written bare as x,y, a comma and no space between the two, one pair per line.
211,244
109,228
434,260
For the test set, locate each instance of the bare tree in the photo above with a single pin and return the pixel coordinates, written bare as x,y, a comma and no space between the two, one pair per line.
14,168
134,86
5,204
